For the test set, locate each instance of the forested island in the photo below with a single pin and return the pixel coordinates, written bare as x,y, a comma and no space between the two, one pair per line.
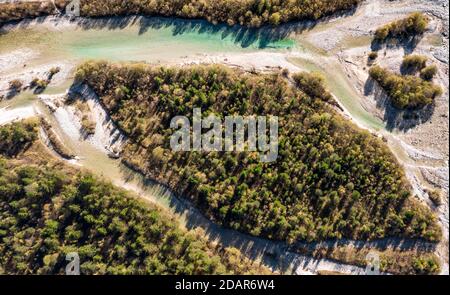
414,25
331,179
30,9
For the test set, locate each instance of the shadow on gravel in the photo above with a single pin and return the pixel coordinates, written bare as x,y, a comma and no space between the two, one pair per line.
394,118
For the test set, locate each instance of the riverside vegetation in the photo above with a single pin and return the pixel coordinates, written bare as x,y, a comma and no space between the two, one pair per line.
31,9
331,180
252,13
413,25
48,209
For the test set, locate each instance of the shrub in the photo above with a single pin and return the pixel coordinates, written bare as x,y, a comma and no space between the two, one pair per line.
27,9
275,18
48,209
54,140
39,83
393,261
16,137
426,266
253,13
382,33
54,70
42,83
147,240
88,125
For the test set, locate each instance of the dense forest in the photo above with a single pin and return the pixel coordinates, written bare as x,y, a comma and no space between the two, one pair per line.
331,180
413,25
252,13
48,209
412,90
